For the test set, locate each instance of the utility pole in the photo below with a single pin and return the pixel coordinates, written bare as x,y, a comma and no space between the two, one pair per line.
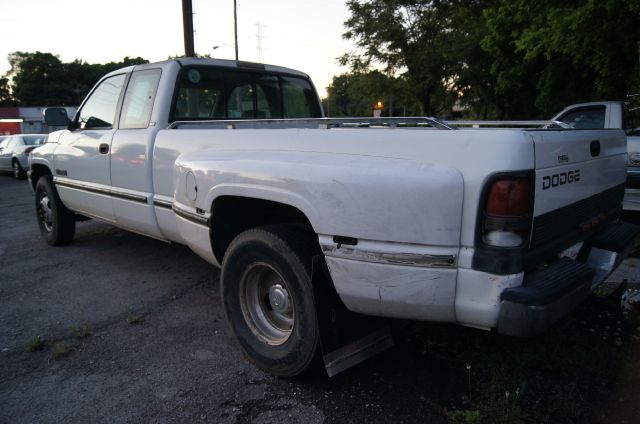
187,24
259,40
235,25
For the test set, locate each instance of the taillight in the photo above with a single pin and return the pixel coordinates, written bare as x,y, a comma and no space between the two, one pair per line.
507,213
29,149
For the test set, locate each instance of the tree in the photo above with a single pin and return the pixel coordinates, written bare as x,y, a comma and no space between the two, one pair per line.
354,94
426,42
500,58
41,79
556,52
6,99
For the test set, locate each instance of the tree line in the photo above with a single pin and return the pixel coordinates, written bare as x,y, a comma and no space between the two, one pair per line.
42,79
491,59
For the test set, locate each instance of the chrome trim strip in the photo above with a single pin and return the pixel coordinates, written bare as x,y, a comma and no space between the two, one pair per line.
410,259
162,203
65,182
190,216
129,196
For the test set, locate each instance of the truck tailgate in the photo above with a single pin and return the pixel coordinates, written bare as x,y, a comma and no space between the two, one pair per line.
579,182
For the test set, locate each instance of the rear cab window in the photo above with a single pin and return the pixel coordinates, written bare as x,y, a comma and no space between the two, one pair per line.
585,118
207,93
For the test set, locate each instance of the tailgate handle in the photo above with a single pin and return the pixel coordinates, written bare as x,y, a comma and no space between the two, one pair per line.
595,148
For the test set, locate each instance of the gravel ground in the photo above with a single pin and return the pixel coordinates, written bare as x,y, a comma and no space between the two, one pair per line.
156,347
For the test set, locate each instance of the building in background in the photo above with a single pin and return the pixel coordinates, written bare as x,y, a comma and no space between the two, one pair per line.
27,120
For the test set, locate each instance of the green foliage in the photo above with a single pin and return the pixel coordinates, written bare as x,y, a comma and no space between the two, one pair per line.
34,344
81,331
554,377
41,79
6,98
355,94
62,349
505,59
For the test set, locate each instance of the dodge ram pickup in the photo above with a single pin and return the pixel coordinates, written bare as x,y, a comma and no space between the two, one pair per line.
312,218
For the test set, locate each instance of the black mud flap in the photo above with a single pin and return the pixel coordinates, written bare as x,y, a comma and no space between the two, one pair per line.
346,338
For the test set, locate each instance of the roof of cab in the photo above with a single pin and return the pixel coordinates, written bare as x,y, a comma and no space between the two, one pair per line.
220,63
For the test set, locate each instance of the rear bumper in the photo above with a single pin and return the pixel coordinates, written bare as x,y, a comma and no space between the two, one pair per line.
548,294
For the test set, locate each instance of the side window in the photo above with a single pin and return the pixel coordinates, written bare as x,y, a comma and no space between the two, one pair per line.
200,95
588,118
99,110
299,99
138,100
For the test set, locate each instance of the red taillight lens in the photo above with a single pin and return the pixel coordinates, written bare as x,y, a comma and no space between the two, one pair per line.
510,198
507,213
28,150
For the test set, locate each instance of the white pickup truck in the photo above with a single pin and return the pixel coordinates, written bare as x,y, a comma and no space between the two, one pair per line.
503,229
595,115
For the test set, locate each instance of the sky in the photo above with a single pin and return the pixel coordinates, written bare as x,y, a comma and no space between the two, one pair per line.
302,34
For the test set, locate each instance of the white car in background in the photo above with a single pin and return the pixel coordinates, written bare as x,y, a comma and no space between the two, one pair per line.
14,152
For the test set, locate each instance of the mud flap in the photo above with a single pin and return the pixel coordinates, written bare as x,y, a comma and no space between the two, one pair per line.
346,338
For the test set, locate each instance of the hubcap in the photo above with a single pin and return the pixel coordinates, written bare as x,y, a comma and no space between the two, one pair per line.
44,213
16,169
266,304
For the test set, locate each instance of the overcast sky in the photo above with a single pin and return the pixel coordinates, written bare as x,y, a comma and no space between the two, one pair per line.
300,34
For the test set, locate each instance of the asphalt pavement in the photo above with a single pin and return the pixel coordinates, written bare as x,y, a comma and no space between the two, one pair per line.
132,330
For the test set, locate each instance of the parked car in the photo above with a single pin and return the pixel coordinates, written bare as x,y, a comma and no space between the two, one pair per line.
14,152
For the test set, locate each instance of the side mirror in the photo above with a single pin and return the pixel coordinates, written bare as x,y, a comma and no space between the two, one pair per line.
56,117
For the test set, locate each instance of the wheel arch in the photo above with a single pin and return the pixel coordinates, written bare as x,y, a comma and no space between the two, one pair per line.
37,171
233,214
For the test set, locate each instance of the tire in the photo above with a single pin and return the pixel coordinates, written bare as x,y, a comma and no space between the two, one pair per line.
268,298
57,223
18,172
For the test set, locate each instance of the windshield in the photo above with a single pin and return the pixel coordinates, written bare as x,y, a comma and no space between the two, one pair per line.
34,140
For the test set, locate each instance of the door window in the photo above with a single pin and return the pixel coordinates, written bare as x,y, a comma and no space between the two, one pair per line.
299,98
99,110
585,118
138,100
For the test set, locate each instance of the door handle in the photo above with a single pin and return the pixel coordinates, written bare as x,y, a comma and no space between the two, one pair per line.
104,148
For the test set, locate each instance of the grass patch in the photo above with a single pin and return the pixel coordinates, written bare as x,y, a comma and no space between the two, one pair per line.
62,349
35,344
556,377
135,318
81,331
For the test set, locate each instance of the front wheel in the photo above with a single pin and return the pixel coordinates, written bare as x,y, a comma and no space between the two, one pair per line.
18,172
268,298
57,223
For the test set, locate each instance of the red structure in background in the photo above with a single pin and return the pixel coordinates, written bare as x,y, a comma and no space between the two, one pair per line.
9,127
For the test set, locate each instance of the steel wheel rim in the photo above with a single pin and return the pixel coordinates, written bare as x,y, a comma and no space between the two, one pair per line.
266,304
45,214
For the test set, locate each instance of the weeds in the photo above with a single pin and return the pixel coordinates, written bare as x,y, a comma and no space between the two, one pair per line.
62,349
34,344
81,331
133,318
555,377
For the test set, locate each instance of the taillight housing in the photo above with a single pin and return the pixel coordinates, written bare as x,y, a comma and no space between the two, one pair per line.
28,150
506,217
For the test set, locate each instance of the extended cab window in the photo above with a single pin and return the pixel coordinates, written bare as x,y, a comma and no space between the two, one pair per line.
585,118
207,93
138,100
99,110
